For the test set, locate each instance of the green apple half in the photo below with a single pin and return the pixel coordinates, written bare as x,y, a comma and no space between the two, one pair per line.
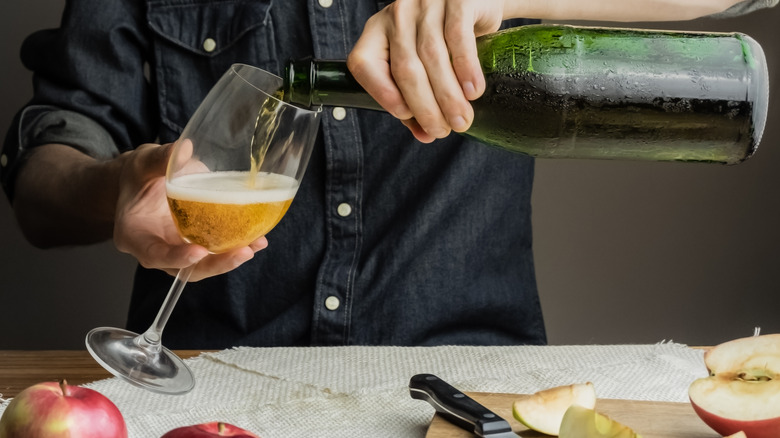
742,392
543,411
580,422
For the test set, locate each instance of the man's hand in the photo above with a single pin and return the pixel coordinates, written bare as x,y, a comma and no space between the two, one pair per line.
418,59
144,227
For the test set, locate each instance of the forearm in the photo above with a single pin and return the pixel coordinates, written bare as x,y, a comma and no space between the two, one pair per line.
65,197
616,10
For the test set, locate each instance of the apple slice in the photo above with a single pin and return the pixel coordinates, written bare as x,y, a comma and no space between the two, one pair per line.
543,411
742,392
580,422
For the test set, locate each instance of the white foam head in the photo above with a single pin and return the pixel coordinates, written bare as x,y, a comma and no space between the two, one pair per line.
232,187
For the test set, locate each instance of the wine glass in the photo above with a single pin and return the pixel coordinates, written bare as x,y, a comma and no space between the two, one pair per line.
231,177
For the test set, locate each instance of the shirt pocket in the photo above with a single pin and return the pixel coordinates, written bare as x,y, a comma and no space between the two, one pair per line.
195,42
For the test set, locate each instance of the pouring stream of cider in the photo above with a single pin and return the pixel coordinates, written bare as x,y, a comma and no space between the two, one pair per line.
265,126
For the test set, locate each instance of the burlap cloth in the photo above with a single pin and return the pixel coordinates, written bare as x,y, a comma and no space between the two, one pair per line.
363,391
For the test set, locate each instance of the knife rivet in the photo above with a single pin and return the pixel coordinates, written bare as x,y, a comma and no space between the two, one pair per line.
458,395
488,415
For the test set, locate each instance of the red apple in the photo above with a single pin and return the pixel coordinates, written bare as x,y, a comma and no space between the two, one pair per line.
209,430
58,410
742,392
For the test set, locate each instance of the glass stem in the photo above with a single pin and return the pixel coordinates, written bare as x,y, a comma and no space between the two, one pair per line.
152,337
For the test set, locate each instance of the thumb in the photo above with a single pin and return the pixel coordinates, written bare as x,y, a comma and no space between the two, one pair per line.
184,158
154,158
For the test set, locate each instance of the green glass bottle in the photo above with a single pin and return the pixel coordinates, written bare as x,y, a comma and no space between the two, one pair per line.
560,91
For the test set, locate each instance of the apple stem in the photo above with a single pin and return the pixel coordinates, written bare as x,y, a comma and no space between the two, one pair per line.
220,427
64,387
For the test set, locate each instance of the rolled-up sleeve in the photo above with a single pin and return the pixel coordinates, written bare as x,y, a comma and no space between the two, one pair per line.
90,90
745,7
37,125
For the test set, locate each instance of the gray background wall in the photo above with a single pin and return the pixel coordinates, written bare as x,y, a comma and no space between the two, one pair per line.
626,252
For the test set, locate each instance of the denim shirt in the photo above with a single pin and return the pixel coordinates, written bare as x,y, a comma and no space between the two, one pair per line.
388,241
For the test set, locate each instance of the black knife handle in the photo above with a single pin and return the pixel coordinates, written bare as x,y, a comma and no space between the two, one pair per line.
456,406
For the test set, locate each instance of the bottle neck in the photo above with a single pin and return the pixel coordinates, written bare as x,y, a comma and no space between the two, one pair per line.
312,82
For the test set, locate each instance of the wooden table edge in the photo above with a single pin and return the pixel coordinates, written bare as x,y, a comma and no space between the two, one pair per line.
20,369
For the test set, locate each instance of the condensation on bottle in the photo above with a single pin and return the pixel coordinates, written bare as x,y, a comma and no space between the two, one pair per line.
561,91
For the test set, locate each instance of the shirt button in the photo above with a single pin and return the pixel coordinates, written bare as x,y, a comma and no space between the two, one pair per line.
209,45
344,209
332,303
339,113
3,160
326,3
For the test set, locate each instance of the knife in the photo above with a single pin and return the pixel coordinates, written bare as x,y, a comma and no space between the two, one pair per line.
459,408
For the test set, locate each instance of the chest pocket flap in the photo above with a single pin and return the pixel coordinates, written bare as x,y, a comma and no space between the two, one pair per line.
206,27
195,42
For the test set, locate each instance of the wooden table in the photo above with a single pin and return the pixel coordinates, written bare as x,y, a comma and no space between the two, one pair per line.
20,369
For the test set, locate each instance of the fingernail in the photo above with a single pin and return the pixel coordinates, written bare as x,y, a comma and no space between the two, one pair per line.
468,89
458,124
197,256
437,132
402,112
194,259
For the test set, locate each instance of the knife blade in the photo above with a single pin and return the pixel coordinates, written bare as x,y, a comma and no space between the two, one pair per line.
458,408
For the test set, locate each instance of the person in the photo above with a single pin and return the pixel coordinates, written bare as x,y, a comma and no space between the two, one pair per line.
388,241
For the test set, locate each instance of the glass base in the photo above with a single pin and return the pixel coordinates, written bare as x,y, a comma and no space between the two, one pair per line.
154,368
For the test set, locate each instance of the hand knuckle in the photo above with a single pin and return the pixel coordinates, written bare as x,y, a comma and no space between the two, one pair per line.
404,70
